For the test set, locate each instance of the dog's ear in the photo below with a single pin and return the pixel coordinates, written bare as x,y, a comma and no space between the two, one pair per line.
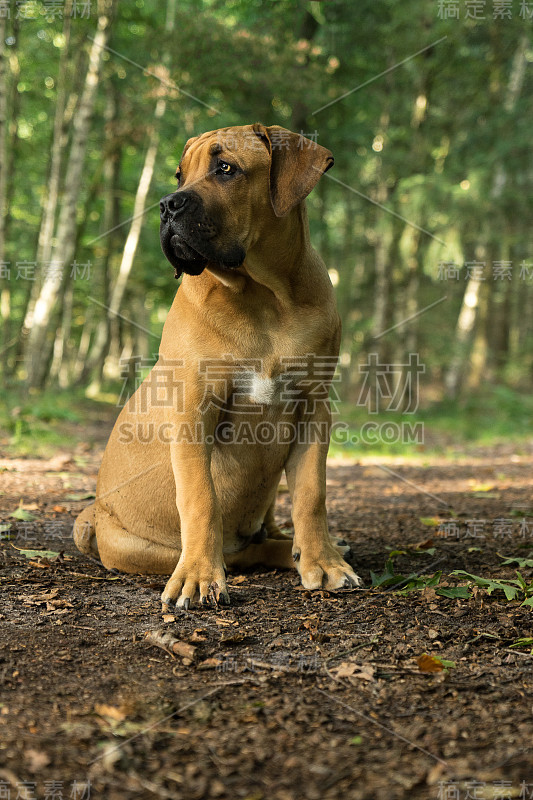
296,166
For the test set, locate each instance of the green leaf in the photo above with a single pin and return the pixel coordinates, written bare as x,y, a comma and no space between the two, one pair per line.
355,740
520,562
527,642
509,588
455,592
447,664
23,515
430,551
417,583
430,521
37,553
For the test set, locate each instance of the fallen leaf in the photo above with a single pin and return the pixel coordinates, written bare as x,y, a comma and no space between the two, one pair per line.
39,598
475,486
36,759
429,663
425,545
210,663
344,670
112,712
23,515
238,579
198,635
36,553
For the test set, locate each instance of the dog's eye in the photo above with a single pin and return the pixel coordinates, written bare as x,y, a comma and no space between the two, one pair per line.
223,168
178,178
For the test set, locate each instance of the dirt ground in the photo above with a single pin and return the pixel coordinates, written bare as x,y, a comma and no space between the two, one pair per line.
286,694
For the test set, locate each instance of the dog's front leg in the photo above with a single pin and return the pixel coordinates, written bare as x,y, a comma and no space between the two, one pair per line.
200,569
317,559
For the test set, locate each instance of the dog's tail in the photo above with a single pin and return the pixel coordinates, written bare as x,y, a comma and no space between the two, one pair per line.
84,533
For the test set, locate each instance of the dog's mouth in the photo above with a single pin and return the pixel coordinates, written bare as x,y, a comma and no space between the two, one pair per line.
187,259
183,257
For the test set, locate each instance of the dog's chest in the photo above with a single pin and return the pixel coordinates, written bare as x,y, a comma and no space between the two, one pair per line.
258,388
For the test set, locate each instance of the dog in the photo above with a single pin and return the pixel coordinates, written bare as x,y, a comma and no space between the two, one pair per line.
239,395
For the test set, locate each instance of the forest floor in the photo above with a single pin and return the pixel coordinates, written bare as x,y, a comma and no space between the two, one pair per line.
287,693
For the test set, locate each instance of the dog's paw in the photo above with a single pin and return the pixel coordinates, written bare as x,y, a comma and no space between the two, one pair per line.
205,581
328,570
342,546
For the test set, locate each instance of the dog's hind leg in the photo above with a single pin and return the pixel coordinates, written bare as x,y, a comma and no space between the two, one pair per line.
120,549
270,553
272,528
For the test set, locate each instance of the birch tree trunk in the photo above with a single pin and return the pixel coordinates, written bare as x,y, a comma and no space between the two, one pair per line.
101,344
5,295
47,224
471,300
38,344
109,230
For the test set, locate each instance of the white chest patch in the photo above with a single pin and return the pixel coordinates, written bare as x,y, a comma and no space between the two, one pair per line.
259,388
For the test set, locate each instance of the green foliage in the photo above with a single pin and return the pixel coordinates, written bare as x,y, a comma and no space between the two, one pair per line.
411,582
421,135
514,589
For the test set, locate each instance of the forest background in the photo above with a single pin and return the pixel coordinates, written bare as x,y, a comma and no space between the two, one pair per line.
424,222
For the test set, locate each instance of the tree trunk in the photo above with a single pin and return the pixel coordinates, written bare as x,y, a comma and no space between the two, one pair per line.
463,331
471,300
100,349
89,360
46,232
38,344
59,366
5,296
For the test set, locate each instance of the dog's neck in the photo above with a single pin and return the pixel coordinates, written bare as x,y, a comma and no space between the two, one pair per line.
280,271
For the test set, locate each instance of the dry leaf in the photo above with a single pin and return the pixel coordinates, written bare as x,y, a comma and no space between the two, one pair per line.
112,712
36,759
210,663
429,663
344,670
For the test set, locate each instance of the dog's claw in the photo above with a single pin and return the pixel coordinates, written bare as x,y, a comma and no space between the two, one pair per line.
218,596
186,603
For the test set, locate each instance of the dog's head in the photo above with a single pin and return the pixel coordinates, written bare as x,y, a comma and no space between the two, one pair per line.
231,181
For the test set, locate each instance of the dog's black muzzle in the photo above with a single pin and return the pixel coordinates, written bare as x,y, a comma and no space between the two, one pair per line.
188,236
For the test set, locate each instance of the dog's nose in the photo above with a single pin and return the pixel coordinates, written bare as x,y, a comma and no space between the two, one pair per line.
171,205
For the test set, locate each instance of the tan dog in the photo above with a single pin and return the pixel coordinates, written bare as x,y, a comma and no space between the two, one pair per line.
240,392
